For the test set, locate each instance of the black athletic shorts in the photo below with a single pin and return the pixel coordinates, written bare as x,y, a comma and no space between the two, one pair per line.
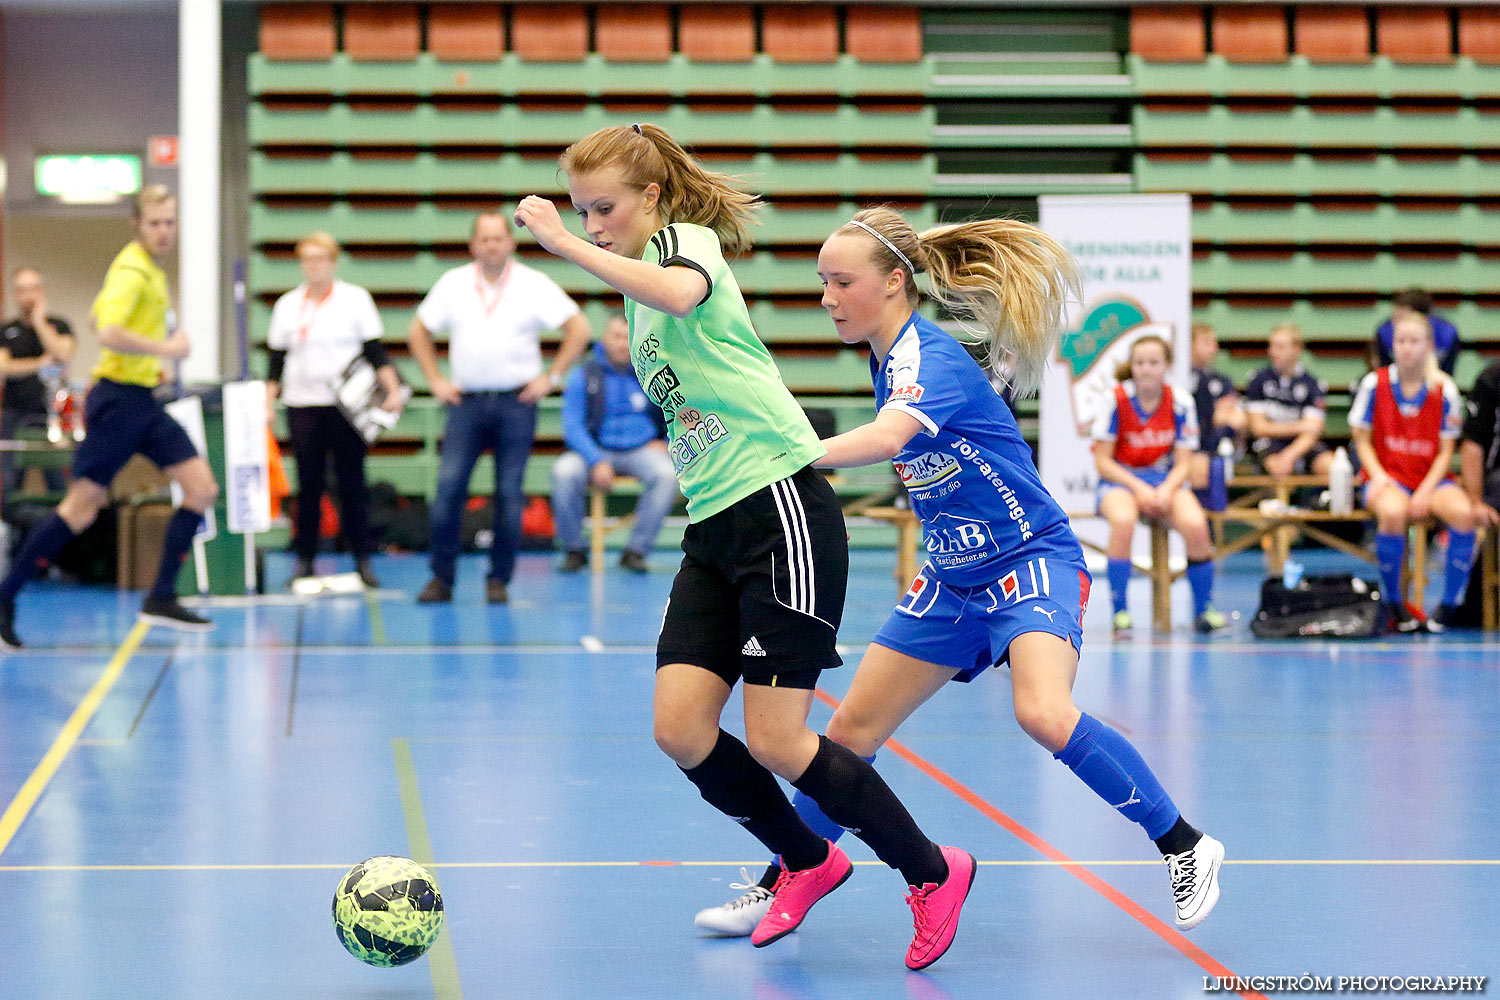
761,589
121,420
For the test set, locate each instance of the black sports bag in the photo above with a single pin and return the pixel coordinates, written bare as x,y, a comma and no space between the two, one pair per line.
1333,606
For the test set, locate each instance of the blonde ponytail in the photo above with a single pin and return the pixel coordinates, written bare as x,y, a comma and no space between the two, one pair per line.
647,155
1007,283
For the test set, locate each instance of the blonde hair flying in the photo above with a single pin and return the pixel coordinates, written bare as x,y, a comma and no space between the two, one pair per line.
1007,283
648,155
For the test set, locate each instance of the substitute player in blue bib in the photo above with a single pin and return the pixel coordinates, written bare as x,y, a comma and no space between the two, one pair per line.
1005,582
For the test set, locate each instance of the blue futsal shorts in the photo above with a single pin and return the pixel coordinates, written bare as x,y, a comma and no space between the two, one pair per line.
971,628
122,420
1149,475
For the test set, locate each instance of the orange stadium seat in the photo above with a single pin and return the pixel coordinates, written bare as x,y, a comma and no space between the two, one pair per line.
1332,34
550,32
1414,34
1250,34
800,34
1168,34
633,32
384,31
1479,34
465,32
714,33
883,34
303,31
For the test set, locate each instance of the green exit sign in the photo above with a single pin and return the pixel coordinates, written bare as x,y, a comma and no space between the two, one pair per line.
88,178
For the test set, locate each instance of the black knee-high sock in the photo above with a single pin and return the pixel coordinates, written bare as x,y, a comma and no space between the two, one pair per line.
855,796
180,531
734,783
42,543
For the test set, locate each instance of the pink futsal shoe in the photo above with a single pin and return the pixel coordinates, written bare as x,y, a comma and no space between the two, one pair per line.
935,909
796,892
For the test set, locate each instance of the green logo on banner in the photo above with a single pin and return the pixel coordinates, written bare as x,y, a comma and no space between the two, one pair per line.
1096,332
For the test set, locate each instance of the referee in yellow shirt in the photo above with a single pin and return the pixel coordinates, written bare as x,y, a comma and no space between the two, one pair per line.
123,418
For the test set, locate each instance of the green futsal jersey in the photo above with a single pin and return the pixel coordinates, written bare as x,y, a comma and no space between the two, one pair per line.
733,426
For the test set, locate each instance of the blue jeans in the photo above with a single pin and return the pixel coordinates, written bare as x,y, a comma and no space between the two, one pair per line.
501,422
570,483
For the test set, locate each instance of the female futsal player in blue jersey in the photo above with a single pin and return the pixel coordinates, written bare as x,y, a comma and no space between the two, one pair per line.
1005,582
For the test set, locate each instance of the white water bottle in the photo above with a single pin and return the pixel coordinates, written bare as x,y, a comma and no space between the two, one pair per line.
1226,455
1340,484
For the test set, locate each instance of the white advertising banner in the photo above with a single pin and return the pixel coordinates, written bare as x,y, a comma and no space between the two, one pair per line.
1134,254
188,411
247,462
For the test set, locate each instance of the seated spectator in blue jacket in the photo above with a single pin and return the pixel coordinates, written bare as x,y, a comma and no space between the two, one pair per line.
1445,342
611,428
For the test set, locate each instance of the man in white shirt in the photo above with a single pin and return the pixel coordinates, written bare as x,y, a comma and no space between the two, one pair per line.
494,312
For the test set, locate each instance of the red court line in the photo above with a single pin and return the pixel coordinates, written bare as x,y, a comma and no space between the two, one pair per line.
1170,935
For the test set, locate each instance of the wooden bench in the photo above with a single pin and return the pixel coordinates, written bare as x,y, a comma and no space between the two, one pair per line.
601,524
1276,528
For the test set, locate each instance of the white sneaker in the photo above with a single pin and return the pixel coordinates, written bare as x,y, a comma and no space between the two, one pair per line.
738,917
1195,880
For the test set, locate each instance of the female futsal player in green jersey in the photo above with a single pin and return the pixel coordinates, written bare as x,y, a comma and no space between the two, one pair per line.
760,591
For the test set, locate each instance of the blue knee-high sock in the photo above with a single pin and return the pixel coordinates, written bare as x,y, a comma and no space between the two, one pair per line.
1390,553
814,818
1460,561
42,543
1108,764
174,548
1119,580
1200,576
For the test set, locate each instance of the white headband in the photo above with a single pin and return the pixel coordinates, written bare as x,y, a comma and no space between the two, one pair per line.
889,245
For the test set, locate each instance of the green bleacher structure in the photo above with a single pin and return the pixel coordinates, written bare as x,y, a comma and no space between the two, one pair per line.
1333,154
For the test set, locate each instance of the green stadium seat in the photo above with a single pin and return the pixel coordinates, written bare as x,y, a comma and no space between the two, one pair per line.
510,174
1303,174
426,126
1381,77
1303,127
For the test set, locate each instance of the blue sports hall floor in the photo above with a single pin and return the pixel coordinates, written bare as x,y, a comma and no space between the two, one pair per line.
179,810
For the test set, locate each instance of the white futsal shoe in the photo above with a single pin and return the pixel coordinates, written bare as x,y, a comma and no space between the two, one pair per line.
1195,880
738,917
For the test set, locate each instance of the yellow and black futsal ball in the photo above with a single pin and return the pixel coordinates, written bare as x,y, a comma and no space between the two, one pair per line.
387,911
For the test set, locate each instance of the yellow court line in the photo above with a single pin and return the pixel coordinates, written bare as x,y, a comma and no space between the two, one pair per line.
20,806
1039,863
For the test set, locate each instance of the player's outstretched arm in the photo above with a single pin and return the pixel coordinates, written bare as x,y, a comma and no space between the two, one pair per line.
878,441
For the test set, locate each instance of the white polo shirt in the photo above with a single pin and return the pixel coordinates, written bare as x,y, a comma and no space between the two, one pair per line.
494,329
320,338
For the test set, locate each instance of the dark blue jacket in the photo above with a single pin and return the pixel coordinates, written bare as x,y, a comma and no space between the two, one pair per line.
604,409
1445,342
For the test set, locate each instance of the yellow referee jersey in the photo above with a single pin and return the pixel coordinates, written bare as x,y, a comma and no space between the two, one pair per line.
134,296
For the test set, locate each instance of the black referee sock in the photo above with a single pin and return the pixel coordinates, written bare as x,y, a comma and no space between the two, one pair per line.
854,795
174,549
42,543
741,788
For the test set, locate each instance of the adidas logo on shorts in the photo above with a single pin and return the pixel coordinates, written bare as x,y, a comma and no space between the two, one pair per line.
752,648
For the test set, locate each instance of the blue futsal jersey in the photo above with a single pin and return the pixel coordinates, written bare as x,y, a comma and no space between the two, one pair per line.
971,477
